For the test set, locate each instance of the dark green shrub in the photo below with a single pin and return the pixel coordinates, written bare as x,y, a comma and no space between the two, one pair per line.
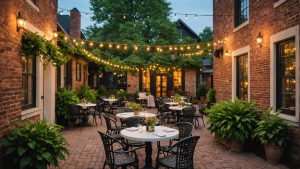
64,97
211,96
202,89
84,91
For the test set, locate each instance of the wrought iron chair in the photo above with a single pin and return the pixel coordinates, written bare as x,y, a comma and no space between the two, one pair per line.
105,104
165,108
97,111
200,115
75,114
123,110
134,122
114,130
119,157
188,114
183,158
190,99
185,130
162,119
117,104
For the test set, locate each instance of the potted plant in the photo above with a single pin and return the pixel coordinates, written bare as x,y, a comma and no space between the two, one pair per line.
202,91
135,107
84,91
148,93
179,91
234,121
210,96
150,123
112,96
35,145
272,131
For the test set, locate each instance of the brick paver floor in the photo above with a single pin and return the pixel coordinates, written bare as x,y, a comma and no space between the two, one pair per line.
87,152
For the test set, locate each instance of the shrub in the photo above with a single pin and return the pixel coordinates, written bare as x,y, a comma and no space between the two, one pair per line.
273,129
148,93
36,144
236,118
124,94
64,97
179,92
202,89
84,91
102,91
210,96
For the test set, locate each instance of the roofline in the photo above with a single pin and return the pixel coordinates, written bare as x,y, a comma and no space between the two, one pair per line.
66,34
181,21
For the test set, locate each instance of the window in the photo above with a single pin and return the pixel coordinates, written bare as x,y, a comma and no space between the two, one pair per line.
65,75
176,80
33,1
78,71
117,81
28,83
286,80
242,77
146,81
241,12
102,79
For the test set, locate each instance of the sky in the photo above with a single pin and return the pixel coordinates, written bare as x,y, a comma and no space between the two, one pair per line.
178,6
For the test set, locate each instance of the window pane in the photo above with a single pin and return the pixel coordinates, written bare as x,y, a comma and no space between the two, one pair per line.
242,78
177,80
23,90
30,90
146,81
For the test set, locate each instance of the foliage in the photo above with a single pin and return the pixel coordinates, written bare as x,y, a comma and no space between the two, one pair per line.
148,93
64,97
182,103
84,91
210,96
179,92
102,91
236,118
150,121
137,92
36,144
202,89
273,129
207,37
135,106
177,98
124,94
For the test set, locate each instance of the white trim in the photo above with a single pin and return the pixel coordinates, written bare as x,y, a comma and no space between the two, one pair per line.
30,113
288,33
241,26
33,5
234,55
34,29
276,4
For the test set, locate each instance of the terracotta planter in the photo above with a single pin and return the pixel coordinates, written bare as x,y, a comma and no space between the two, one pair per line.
150,128
273,152
136,112
202,99
235,145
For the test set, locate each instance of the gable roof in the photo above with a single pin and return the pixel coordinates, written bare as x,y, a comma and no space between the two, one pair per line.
191,30
64,22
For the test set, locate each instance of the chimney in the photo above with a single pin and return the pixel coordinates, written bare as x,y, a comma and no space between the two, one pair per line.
75,23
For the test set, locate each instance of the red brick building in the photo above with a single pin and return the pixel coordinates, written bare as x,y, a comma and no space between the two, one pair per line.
24,84
267,71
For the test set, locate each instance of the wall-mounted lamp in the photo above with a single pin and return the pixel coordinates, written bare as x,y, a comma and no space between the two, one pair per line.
55,34
259,39
20,21
226,53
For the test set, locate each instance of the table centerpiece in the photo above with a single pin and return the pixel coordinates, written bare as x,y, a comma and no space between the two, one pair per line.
181,104
150,123
112,96
83,101
135,107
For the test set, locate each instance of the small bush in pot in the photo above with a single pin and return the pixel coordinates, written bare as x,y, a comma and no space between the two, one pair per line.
234,121
202,91
272,131
64,97
84,91
36,145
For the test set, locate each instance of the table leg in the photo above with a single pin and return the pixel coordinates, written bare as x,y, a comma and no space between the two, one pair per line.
148,160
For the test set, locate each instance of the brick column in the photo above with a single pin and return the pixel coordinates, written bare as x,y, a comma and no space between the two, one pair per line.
132,82
191,80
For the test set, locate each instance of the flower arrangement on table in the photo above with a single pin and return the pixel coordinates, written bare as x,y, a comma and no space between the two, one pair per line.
177,98
135,107
83,101
150,123
112,96
181,103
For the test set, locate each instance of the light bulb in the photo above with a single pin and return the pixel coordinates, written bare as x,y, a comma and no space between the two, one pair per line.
195,16
175,16
124,16
118,46
171,48
62,12
66,38
110,46
185,16
125,47
101,45
86,15
91,44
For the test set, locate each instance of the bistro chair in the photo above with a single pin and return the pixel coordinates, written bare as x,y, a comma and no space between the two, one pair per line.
200,115
188,114
105,104
162,119
165,108
117,104
185,130
75,114
112,130
123,110
119,157
97,111
134,121
183,158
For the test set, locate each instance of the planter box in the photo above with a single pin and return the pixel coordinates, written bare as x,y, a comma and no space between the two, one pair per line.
225,142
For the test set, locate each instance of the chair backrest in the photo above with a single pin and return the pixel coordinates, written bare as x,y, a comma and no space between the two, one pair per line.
164,108
98,104
191,98
107,121
103,97
188,112
202,107
162,118
123,110
185,151
74,109
166,100
134,121
185,129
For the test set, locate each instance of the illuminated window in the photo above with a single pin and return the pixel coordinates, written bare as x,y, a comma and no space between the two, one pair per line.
78,71
28,83
241,12
177,80
242,78
146,82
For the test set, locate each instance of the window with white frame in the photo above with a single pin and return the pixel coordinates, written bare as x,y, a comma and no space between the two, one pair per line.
28,83
241,12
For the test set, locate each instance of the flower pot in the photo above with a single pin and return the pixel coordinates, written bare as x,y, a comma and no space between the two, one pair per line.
83,102
235,145
136,112
273,152
202,99
150,128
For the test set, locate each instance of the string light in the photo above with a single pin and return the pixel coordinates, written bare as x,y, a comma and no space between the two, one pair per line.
157,49
198,46
101,45
86,15
62,12
110,45
125,47
118,47
195,16
82,42
181,48
66,38
91,44
188,47
136,48
171,48
185,16
208,44
215,43
124,16
74,40
175,48
148,48
175,16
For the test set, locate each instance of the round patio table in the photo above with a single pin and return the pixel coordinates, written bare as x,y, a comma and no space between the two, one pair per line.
110,100
149,137
89,105
131,114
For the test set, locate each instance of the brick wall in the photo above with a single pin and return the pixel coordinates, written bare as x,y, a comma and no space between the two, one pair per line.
267,20
75,83
10,55
133,82
75,23
191,80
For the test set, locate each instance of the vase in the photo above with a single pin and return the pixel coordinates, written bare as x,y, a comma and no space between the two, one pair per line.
136,112
150,128
83,102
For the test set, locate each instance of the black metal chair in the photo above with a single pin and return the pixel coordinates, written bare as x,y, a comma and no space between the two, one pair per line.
117,104
200,115
183,158
75,114
188,114
165,108
119,157
97,111
162,119
105,104
185,130
123,110
134,122
114,130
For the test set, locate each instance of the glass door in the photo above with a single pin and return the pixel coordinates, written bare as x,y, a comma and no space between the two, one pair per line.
161,86
164,86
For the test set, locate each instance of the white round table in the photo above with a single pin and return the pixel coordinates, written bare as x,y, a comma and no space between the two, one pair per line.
131,114
171,103
110,100
148,137
176,108
85,123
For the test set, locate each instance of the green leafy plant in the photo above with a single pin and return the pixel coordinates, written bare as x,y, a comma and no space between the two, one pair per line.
64,97
135,106
202,89
33,45
177,98
273,129
36,144
211,96
137,92
179,92
84,91
102,91
148,93
236,118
